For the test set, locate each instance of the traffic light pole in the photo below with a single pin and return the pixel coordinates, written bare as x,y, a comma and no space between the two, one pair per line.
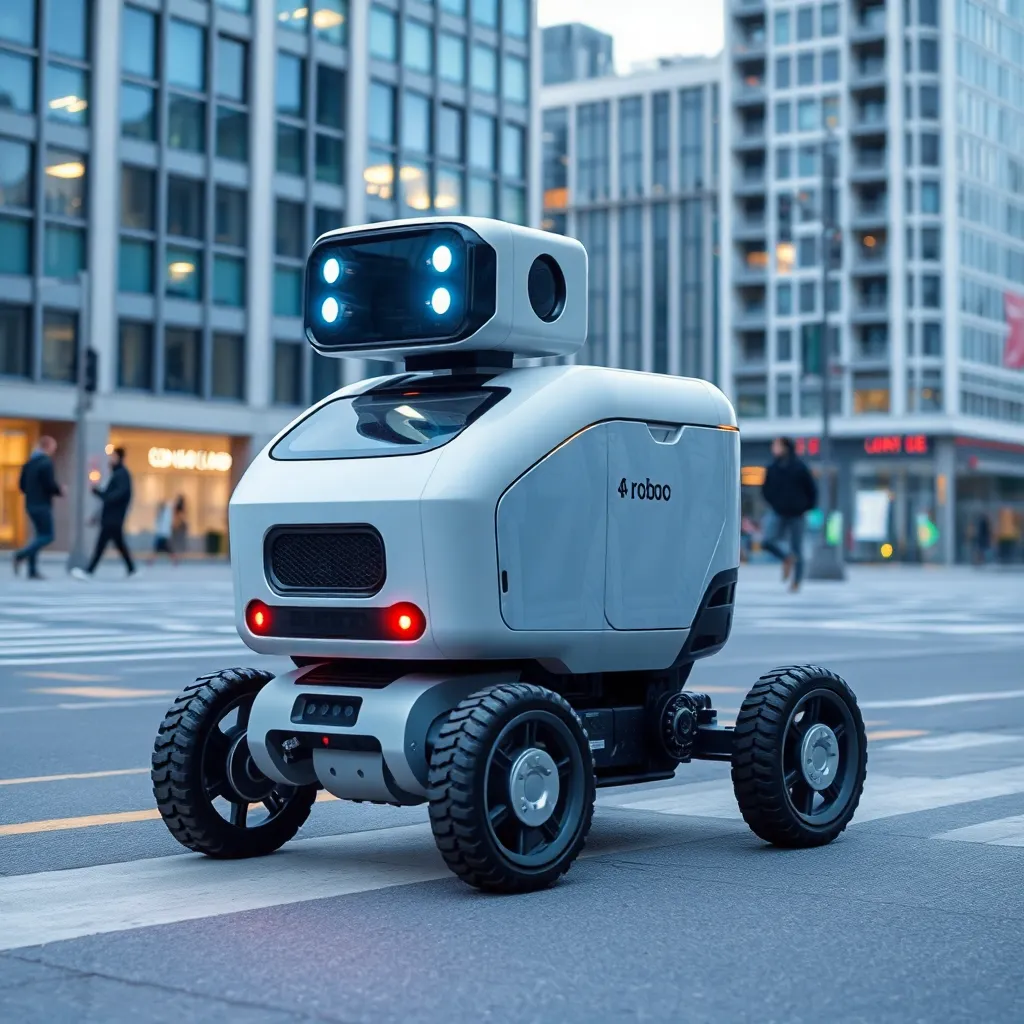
826,562
77,558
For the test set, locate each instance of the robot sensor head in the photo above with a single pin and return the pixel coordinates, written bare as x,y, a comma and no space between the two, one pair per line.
445,284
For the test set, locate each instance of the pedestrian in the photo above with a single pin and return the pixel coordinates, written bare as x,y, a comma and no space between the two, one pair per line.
790,491
162,533
39,485
179,527
982,539
1007,534
116,497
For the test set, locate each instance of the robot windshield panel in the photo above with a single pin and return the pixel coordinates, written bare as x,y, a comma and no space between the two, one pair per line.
493,581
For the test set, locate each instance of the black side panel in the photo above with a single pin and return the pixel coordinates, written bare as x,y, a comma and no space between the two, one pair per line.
713,622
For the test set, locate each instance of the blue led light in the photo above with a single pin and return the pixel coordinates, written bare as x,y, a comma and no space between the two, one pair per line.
440,301
332,268
442,258
329,310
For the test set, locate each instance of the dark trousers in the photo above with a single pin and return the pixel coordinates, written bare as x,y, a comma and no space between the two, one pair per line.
111,533
790,528
42,523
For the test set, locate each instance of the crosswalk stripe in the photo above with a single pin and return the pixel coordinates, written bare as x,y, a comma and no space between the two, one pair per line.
941,700
956,741
112,657
999,832
102,692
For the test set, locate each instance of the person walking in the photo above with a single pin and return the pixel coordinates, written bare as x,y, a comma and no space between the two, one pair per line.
39,485
116,497
791,493
162,534
982,539
179,527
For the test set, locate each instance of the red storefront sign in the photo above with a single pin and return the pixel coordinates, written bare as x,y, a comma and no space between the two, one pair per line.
897,444
1013,352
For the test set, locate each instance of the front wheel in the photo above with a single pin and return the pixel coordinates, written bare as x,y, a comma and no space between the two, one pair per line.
511,788
799,756
211,795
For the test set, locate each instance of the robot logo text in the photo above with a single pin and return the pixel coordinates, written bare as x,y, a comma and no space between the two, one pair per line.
644,490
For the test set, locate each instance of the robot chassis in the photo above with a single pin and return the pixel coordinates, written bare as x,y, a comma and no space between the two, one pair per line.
493,582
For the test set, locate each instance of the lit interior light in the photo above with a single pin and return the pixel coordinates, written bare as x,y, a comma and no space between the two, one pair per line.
72,104
324,20
332,268
442,258
180,270
109,449
72,169
329,309
440,301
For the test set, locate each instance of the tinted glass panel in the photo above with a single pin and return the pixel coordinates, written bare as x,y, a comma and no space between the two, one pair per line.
138,42
18,24
186,56
137,117
379,423
14,245
67,27
15,173
67,94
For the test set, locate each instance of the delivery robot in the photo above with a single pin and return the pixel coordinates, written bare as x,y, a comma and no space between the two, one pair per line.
493,581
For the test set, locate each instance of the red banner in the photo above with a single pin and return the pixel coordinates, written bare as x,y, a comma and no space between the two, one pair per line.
1013,353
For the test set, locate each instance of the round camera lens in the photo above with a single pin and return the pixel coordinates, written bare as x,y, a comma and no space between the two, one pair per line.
310,710
336,710
348,711
546,288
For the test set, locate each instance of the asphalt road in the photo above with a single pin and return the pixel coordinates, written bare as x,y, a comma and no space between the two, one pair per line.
676,912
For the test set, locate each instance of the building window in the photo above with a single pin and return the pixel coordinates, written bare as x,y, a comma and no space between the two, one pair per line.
184,278
808,296
485,12
514,87
660,144
516,18
182,360
290,235
691,139
416,110
782,28
447,190
513,151
928,55
138,185
15,341
228,281
330,20
230,217
593,233
60,346
931,339
452,58
782,72
931,243
288,373
783,299
287,291
830,66
484,71
138,42
138,116
18,76
804,24
186,207
592,150
186,55
481,197
482,142
931,291
929,149
807,161
383,34
135,356
807,251
784,344
928,12
807,116
870,393
783,163
291,150
631,287
418,47
450,133
929,102
783,117
829,20
930,197
805,68
186,124
631,143
692,298
660,230
135,266
228,367
67,92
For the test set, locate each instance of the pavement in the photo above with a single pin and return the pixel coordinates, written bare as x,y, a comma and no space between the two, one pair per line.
676,912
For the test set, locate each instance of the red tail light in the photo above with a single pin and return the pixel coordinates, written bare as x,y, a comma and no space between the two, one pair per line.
257,617
406,622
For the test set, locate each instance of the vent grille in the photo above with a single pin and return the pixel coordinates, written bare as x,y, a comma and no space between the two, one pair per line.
347,560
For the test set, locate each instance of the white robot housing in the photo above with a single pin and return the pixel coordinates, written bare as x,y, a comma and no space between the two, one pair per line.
494,581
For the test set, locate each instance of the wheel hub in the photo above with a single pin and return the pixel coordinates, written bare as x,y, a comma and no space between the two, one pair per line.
533,787
819,757
243,775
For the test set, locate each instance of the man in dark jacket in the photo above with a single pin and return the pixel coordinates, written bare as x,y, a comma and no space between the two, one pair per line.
791,492
116,497
40,487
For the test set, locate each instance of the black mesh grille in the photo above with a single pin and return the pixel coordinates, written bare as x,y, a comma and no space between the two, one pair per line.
349,560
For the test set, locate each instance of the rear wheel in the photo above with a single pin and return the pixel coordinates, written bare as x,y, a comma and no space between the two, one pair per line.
511,788
211,795
799,756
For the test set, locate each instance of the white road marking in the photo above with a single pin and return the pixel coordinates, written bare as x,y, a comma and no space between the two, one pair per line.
999,832
51,906
153,653
884,796
943,699
955,741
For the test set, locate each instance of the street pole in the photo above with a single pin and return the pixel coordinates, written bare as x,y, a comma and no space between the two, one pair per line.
826,562
77,558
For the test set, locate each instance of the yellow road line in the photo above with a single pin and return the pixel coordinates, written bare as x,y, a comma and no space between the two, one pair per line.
73,775
102,692
70,677
897,734
26,828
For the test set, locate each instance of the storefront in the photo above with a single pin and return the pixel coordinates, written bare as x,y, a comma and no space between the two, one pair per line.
17,439
990,488
168,466
890,494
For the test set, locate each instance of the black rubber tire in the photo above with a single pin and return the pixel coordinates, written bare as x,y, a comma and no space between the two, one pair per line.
757,773
178,780
456,783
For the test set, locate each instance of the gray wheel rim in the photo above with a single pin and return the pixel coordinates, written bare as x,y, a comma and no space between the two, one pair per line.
521,843
820,728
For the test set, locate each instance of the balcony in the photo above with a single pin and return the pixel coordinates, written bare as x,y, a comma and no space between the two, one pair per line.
750,43
870,257
751,268
750,316
750,139
869,165
750,228
746,8
749,90
869,119
869,25
869,214
870,307
868,75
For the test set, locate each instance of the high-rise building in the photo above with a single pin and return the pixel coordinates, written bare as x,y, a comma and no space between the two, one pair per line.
630,167
919,105
184,155
574,51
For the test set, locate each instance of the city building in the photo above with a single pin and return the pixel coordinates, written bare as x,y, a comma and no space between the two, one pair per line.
575,51
164,168
630,167
923,292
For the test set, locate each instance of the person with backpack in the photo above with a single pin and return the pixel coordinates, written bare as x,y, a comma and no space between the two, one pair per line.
790,491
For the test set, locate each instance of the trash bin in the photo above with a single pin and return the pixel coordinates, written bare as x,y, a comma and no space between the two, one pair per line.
214,542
